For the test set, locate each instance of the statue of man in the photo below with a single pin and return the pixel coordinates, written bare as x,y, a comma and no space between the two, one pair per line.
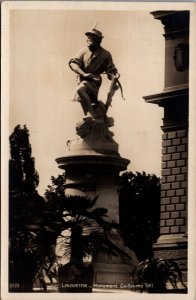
89,64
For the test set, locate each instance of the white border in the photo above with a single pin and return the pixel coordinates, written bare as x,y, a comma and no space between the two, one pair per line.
61,5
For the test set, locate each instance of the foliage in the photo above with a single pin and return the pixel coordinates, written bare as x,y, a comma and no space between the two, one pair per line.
23,176
88,227
46,231
31,244
153,274
85,230
24,203
139,207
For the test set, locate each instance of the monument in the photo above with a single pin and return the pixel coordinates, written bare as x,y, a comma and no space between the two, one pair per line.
92,161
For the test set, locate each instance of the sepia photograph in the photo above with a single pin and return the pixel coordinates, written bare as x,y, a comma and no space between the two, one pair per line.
98,150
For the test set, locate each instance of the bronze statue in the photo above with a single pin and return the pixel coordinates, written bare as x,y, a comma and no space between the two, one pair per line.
89,64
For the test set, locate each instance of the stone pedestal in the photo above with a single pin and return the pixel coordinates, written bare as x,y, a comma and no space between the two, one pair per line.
92,168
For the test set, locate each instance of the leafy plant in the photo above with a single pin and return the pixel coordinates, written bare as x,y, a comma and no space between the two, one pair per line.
24,205
84,231
33,230
153,274
139,208
88,227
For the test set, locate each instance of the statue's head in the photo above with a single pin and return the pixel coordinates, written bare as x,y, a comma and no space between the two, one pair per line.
94,32
94,38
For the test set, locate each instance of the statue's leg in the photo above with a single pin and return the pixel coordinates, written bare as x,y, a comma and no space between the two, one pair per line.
85,100
84,106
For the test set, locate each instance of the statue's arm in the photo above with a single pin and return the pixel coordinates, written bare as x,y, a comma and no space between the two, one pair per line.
74,66
76,63
110,68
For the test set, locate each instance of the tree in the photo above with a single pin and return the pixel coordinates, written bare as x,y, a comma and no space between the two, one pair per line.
152,275
139,206
23,176
85,232
24,205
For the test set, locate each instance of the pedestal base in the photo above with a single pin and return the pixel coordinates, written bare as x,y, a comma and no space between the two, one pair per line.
111,276
173,246
115,270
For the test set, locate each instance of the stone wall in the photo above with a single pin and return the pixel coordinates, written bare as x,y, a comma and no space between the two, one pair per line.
174,182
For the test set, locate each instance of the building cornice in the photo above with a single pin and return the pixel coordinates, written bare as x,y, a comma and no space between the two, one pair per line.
166,95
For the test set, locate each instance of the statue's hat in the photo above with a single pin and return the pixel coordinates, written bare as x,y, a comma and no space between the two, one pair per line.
94,31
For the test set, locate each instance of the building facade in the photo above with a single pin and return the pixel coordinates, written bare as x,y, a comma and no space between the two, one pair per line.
172,243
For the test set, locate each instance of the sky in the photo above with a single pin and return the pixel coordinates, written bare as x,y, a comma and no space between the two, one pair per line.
41,84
